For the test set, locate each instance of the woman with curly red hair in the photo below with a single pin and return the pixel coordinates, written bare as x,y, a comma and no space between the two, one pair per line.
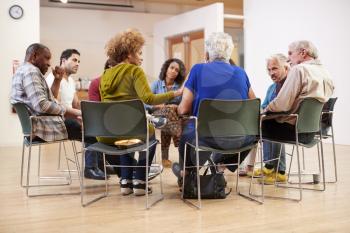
127,81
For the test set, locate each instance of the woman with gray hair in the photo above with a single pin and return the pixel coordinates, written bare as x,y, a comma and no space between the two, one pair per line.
216,79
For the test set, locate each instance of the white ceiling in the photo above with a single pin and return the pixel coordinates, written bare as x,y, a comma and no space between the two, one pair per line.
152,6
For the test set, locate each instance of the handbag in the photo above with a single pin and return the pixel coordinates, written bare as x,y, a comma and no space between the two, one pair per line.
213,185
174,123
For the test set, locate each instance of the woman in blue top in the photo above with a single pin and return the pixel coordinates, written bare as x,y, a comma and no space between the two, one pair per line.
171,77
216,79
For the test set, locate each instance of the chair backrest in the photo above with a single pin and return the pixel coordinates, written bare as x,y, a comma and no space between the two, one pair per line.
24,117
114,119
327,119
226,118
309,115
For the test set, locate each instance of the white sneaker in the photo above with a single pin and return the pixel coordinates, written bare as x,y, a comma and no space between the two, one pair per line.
158,122
154,171
126,187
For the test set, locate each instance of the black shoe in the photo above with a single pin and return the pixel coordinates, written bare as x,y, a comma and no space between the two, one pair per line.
94,173
176,168
179,182
139,188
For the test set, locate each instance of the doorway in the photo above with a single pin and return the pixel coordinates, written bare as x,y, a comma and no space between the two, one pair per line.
188,47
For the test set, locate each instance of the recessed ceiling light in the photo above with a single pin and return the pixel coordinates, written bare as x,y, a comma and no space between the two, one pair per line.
64,1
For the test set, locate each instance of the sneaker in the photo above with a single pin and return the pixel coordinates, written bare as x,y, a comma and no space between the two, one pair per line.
126,187
139,187
265,171
154,171
158,122
272,178
176,168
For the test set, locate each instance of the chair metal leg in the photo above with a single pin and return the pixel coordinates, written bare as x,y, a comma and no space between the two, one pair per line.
105,171
76,161
28,184
28,169
22,163
59,157
334,159
299,187
67,164
147,167
323,167
290,163
69,179
199,206
303,158
299,170
198,176
237,176
62,144
161,197
184,174
250,195
278,185
84,204
39,162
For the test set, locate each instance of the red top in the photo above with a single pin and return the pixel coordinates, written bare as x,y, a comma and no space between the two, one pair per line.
94,90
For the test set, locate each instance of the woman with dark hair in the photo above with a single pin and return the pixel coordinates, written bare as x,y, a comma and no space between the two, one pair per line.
94,88
171,77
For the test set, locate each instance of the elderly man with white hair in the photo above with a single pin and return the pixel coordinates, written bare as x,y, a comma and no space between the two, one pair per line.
216,79
307,78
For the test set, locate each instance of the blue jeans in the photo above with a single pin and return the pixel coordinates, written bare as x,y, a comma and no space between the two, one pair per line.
128,160
223,143
74,133
272,151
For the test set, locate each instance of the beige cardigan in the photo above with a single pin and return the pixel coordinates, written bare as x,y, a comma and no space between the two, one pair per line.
307,79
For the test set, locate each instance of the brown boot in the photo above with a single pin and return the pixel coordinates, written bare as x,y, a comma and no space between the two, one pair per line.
166,163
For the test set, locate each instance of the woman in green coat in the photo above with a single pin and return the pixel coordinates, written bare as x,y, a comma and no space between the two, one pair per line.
127,81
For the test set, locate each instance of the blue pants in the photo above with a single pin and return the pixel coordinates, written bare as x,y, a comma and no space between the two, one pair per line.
128,159
74,133
188,135
272,151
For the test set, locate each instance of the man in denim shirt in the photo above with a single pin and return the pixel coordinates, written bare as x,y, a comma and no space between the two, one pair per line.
277,67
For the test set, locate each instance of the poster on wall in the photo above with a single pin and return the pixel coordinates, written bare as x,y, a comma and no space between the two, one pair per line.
15,65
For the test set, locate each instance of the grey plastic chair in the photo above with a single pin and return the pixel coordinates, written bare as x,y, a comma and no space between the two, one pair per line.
327,130
29,141
224,118
308,120
117,119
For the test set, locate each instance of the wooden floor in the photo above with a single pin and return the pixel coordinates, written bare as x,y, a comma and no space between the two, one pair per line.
327,211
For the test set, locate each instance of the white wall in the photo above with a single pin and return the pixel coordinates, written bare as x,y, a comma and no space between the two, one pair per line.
16,36
271,25
89,30
209,18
